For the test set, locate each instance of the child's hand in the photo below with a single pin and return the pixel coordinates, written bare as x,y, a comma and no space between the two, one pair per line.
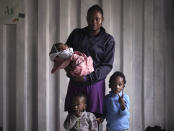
76,111
99,120
121,101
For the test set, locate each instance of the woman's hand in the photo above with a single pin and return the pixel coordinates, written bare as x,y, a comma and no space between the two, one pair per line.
79,78
76,78
68,69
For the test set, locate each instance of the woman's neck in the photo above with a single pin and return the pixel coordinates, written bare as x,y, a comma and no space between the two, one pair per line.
93,32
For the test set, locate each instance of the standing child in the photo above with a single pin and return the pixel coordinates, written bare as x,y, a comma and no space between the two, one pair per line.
117,104
78,119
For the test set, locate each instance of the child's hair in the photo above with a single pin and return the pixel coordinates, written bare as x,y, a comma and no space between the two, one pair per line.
117,73
95,8
56,47
80,95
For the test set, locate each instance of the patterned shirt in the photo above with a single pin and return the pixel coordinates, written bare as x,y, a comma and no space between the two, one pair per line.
86,122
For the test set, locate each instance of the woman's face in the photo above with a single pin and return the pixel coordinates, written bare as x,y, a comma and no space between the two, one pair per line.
95,20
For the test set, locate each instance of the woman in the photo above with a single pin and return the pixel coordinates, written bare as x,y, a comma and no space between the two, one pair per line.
95,42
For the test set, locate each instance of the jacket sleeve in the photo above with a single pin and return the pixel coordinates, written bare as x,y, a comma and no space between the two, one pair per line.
71,38
102,70
70,121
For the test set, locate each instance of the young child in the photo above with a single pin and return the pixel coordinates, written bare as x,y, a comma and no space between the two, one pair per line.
77,63
117,104
78,119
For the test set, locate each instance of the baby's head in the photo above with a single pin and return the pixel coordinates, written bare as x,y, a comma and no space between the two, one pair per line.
61,46
61,50
117,82
57,47
79,103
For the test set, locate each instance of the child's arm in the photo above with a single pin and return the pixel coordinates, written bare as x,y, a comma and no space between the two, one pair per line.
70,121
124,106
93,125
122,102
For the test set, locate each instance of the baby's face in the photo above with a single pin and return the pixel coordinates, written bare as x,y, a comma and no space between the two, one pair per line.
61,46
117,85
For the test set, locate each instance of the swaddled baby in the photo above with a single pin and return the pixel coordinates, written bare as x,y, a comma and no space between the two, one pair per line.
64,57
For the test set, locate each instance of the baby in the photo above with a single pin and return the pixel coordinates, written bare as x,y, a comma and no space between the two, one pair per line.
77,63
78,119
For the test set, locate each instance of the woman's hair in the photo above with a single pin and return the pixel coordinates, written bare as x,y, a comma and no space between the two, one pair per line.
116,74
95,8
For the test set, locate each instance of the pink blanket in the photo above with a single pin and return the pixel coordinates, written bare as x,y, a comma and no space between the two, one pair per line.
81,65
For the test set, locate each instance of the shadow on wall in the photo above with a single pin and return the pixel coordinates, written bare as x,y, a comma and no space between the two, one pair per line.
155,128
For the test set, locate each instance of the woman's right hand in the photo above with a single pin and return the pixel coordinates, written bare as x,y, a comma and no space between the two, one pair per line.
68,69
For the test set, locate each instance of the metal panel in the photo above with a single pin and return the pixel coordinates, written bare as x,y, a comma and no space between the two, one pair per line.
159,63
148,63
128,54
43,64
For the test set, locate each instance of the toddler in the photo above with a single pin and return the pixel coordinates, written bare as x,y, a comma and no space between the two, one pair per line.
78,119
116,110
77,63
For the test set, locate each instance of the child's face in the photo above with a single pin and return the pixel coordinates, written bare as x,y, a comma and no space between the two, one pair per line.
117,85
78,105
